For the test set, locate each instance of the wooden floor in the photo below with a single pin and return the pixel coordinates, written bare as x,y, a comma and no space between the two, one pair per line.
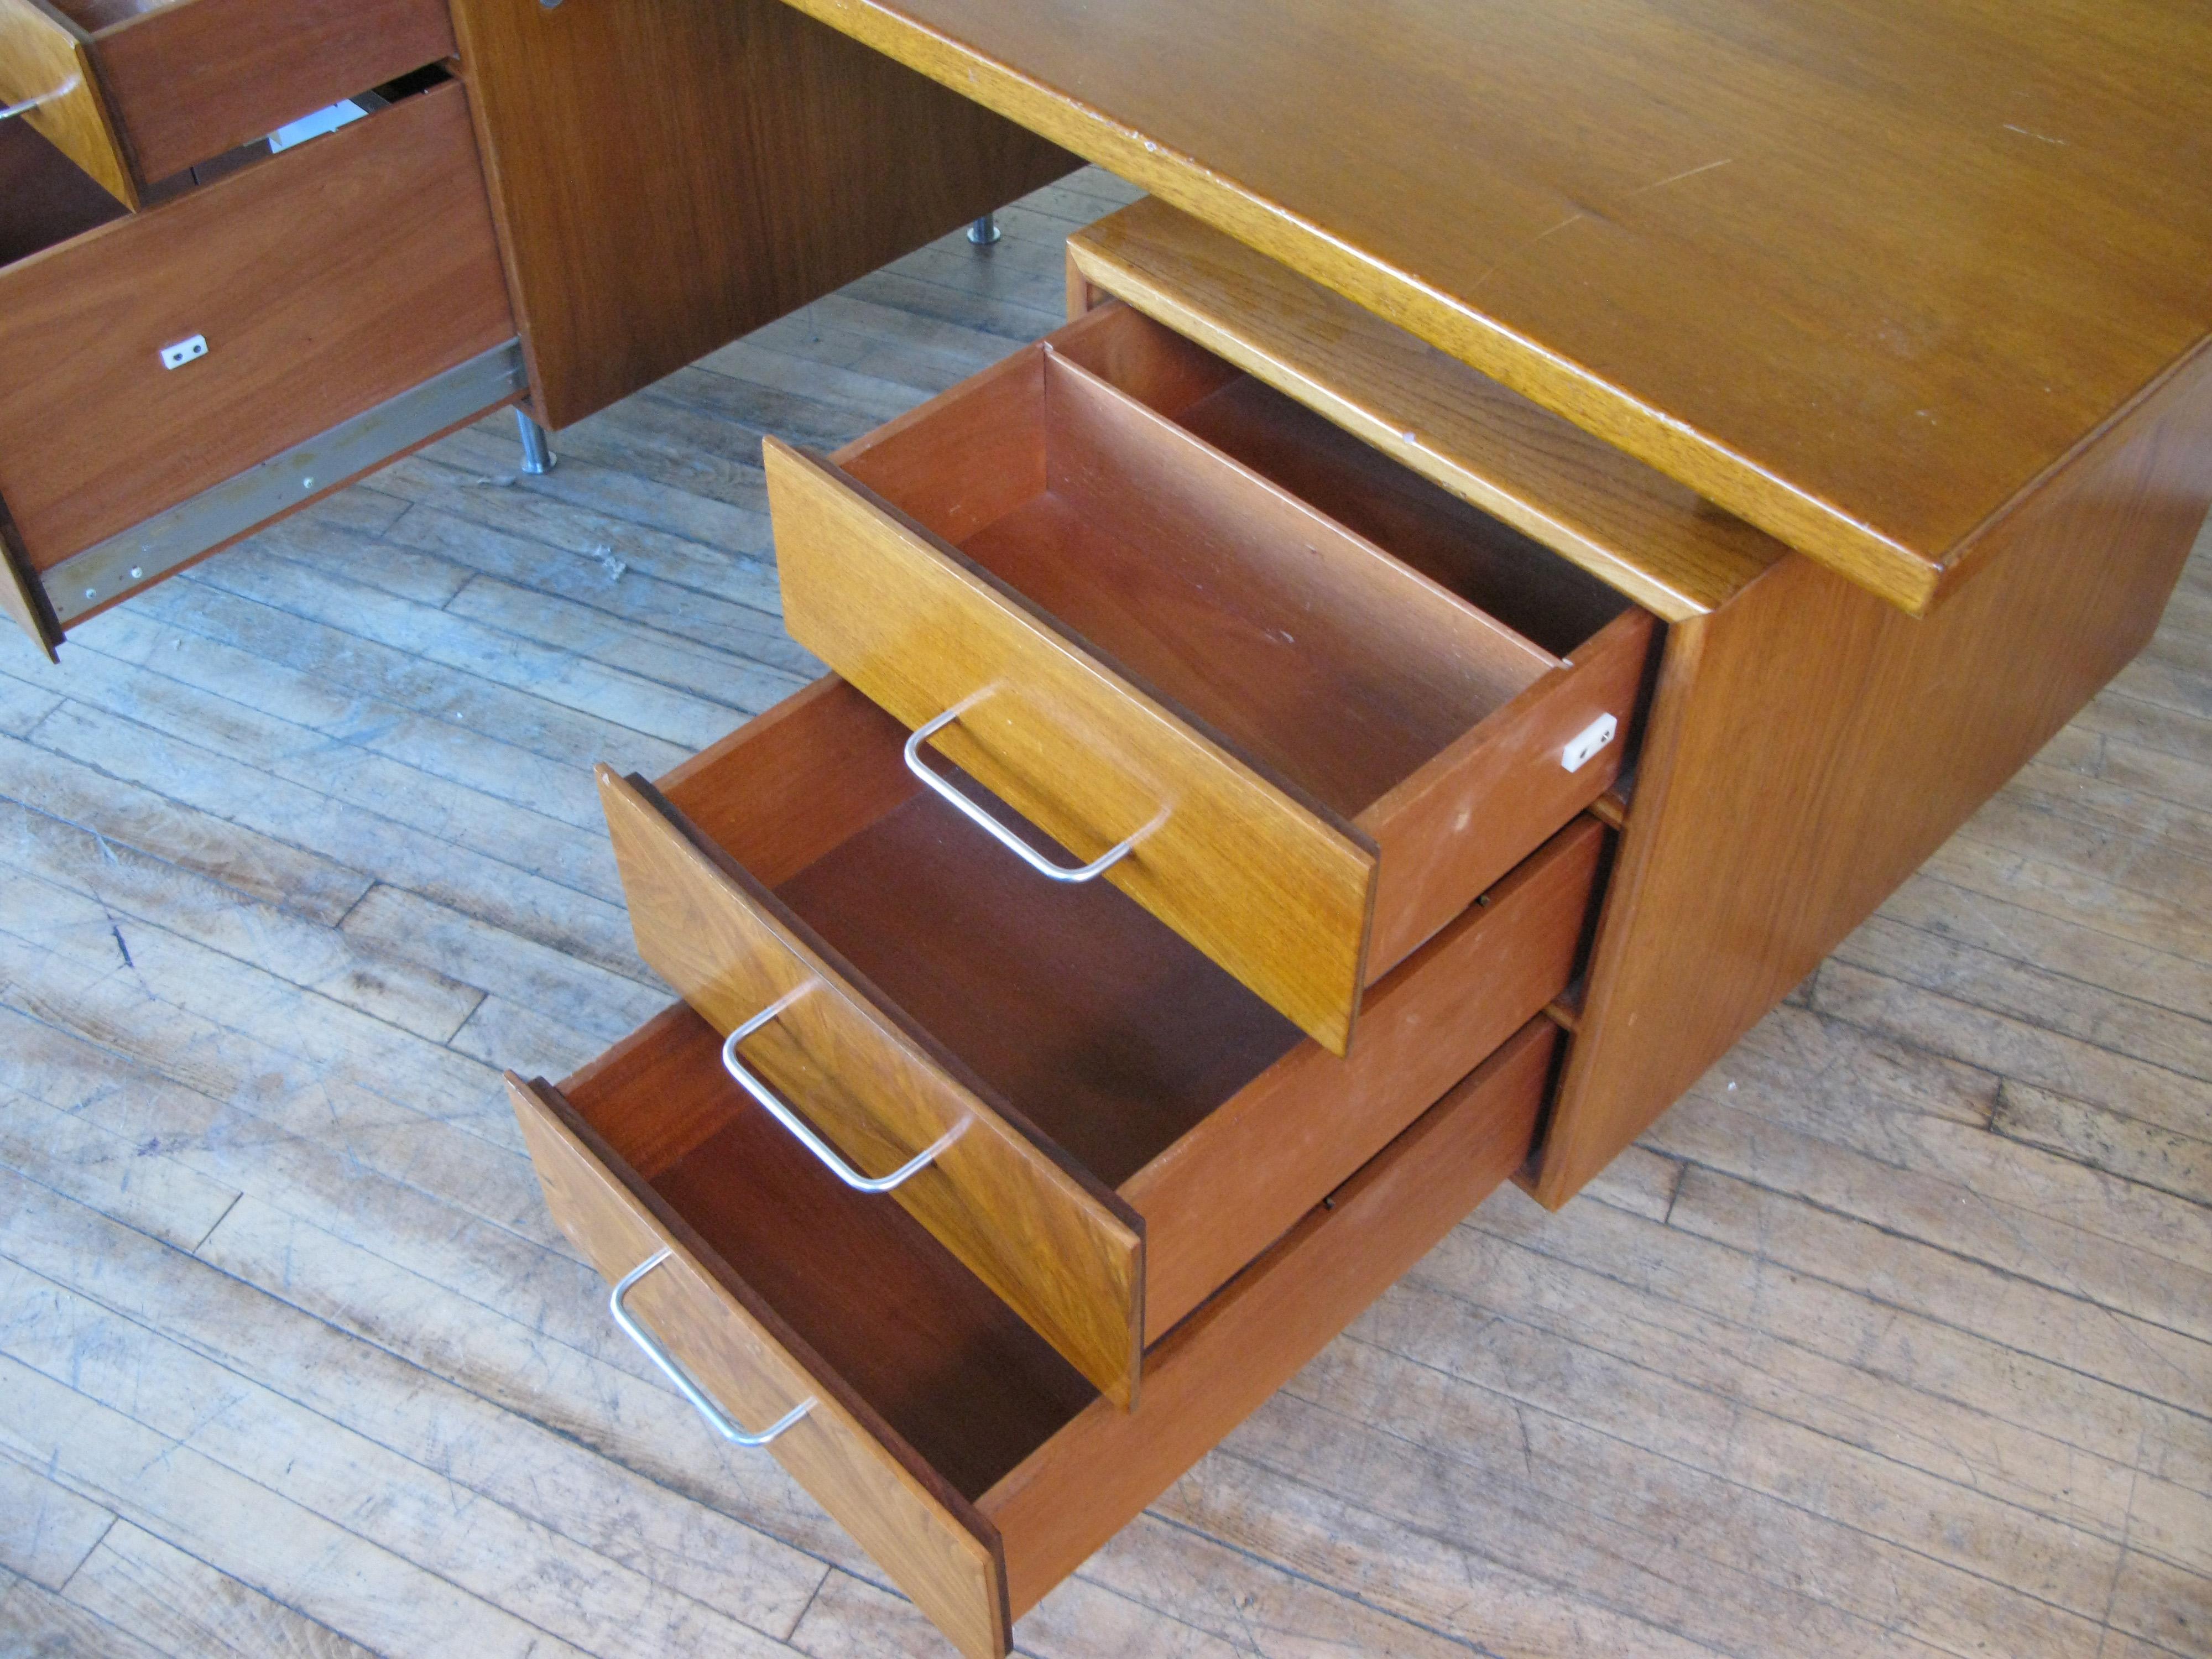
1894,1339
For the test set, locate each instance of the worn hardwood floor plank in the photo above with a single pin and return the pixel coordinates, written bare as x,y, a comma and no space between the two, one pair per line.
40,1624
181,1605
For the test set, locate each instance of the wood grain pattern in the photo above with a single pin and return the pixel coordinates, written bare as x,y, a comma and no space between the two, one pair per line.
41,52
1213,1370
1633,214
1793,774
1260,882
1215,1198
1505,573
795,780
1088,1473
735,1346
740,122
193,78
1651,537
325,281
1055,1245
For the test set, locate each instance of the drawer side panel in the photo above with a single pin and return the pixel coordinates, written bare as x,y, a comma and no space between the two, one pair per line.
44,58
1224,1192
1473,812
1220,1365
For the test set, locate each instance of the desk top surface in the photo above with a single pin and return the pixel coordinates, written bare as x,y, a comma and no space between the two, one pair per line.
1862,273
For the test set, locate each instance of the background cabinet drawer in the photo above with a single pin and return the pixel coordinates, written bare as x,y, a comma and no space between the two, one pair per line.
324,281
133,91
955,1445
1117,1126
1313,754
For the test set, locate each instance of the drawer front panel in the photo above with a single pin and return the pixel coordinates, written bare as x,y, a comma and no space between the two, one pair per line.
1261,883
1058,1249
194,78
738,1356
45,60
324,281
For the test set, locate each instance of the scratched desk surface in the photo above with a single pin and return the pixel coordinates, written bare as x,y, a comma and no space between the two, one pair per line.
1894,1339
1861,272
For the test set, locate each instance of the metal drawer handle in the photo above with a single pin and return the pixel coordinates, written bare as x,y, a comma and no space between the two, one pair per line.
665,1364
30,104
998,832
822,1149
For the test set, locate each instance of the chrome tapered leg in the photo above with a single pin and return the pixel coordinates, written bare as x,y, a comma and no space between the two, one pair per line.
538,454
984,231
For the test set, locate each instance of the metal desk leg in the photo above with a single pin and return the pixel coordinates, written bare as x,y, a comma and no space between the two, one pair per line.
538,454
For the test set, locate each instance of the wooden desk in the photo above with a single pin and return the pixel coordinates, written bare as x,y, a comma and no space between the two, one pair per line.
1764,331
1923,291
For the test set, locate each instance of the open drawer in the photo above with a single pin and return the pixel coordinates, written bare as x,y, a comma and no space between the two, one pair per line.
1297,746
134,91
1102,1125
187,355
975,1466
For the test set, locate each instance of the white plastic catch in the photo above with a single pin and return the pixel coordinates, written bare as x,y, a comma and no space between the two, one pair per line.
1588,741
177,356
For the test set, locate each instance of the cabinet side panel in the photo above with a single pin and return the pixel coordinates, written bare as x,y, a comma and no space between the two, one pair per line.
671,173
1810,747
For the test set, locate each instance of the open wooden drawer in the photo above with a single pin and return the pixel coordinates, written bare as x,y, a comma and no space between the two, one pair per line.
1102,1125
321,284
975,1466
1303,754
134,91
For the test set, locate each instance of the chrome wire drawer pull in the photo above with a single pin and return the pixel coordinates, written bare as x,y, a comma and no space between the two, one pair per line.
664,1362
822,1149
43,99
998,832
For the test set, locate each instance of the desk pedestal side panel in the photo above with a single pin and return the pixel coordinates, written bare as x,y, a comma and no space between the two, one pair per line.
669,174
1810,746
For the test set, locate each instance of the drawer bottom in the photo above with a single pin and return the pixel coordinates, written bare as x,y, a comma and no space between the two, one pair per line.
973,1462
